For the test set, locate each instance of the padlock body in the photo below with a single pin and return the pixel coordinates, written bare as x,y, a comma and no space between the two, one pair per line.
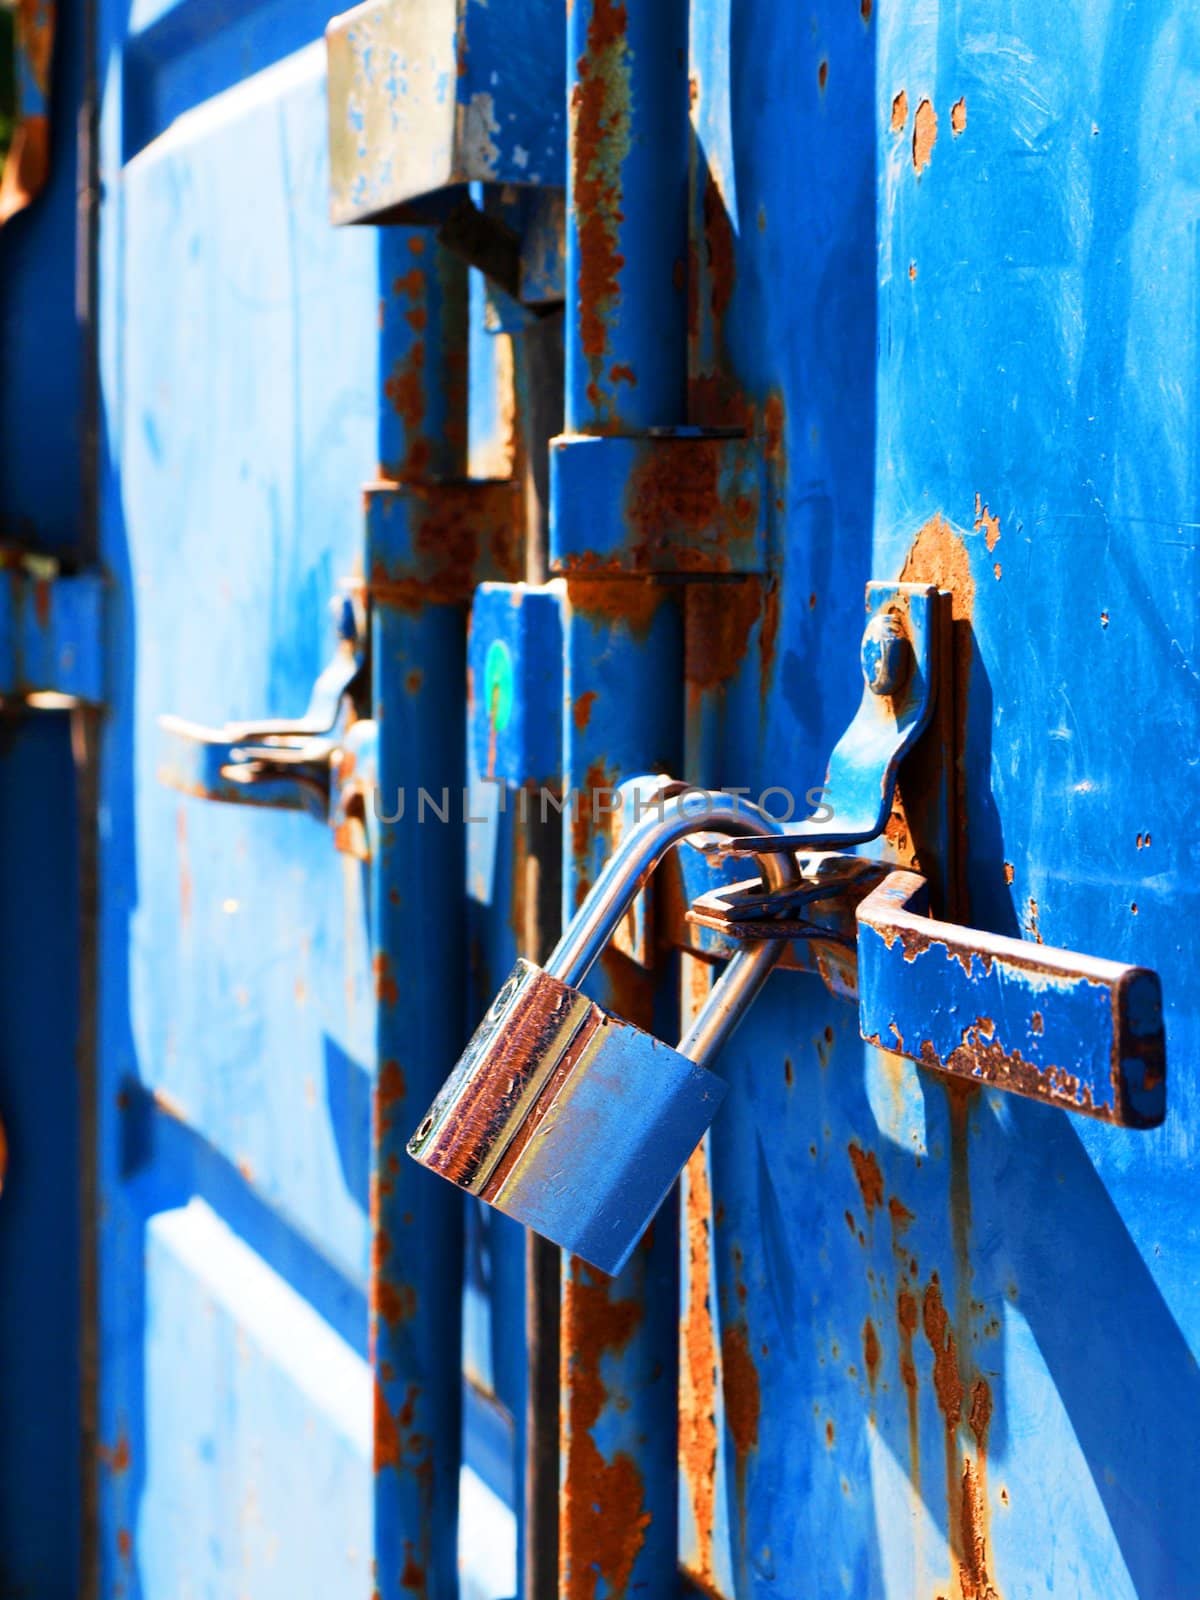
570,1120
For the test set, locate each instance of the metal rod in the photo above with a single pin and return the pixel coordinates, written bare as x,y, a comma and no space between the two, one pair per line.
634,861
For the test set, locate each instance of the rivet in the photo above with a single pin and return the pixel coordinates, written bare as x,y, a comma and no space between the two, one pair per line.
886,654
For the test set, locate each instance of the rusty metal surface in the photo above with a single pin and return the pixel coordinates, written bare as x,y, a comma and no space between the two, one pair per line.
1078,1032
429,98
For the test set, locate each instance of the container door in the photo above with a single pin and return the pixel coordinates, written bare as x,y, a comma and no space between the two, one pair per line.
240,403
939,1341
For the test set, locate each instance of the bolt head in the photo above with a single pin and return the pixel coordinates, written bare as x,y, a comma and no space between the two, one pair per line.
886,654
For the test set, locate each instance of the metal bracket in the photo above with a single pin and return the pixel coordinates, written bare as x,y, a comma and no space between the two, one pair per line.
281,763
672,502
900,670
51,633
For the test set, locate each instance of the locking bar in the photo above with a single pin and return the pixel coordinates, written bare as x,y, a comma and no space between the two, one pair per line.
1073,1030
51,632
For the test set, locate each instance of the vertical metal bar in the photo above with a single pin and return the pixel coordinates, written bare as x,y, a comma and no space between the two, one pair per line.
626,339
418,674
626,360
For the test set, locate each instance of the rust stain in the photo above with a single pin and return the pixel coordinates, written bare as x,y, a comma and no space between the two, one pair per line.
386,991
35,38
719,620
864,10
958,116
581,711
769,633
117,1457
912,271
675,506
698,1370
720,250
900,111
987,524
822,76
632,602
939,555
947,1381
924,136
1009,872
906,1326
390,1091
871,1352
868,1176
743,1402
901,1216
600,142
621,372
124,1544
604,1515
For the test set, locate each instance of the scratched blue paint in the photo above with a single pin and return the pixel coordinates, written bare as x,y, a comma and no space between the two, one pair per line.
1005,339
236,1053
1002,324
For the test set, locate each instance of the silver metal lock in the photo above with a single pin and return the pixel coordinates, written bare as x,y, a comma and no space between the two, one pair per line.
571,1120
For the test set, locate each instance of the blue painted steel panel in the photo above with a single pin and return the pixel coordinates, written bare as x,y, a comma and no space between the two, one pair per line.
242,388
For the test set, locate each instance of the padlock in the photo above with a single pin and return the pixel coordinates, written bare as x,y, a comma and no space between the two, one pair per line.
571,1120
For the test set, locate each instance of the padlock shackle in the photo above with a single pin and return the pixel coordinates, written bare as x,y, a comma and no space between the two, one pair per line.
633,861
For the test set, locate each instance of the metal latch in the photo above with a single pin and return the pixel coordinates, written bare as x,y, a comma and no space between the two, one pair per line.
289,764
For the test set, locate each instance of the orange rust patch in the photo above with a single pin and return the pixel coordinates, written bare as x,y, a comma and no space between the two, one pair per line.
938,555
912,271
1009,872
900,111
698,1370
986,524
395,1303
823,76
678,488
630,601
599,144
743,1398
581,711
901,1216
924,136
947,1381
621,372
386,991
870,1342
868,1176
864,10
124,1543
906,1325
604,1516
773,426
412,1575
958,116
117,1457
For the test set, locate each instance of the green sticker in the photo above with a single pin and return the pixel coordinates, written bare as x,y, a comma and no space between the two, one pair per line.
498,684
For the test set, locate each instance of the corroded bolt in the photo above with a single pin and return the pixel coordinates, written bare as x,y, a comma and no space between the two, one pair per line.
886,653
